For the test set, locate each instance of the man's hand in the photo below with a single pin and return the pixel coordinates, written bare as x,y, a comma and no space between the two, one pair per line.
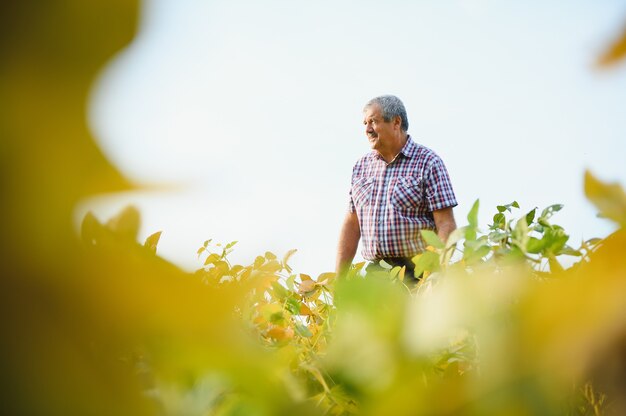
444,221
348,243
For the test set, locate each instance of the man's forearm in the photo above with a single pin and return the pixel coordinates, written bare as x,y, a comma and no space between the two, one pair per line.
445,223
348,243
445,230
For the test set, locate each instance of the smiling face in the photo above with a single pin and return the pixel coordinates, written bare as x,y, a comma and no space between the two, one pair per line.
381,134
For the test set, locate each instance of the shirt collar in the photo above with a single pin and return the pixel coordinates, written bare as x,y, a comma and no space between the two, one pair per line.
410,148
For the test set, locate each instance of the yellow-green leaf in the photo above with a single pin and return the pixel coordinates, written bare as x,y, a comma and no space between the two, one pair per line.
609,198
152,241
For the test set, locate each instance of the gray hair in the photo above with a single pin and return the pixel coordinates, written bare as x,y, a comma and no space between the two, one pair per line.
391,107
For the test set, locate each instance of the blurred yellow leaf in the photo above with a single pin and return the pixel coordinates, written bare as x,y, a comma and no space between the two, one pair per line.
610,199
126,223
616,51
280,333
152,241
307,286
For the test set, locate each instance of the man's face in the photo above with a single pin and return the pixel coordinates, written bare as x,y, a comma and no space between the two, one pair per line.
379,132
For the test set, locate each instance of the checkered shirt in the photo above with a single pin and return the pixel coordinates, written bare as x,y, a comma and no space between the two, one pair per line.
395,201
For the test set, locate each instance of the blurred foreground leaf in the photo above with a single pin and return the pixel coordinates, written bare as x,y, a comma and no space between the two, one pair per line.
615,52
610,199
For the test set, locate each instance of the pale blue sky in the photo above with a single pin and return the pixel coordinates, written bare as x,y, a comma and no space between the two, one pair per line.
255,107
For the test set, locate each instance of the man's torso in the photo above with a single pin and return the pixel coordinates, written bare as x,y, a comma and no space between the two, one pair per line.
395,201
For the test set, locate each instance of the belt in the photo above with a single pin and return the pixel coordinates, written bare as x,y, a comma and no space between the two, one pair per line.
399,261
409,275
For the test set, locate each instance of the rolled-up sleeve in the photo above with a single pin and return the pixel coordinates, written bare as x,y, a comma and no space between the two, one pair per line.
439,192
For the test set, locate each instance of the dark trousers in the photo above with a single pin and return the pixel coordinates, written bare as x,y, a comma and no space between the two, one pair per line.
409,275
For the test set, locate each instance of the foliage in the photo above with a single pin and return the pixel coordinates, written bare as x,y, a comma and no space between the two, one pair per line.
106,327
487,331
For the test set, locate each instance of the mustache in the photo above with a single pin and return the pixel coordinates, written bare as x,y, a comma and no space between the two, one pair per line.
372,135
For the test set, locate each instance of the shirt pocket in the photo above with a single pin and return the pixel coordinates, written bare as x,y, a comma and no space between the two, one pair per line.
408,193
362,190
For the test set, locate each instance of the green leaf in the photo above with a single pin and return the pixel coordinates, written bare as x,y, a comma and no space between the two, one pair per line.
497,236
472,216
229,245
520,234
507,207
303,330
458,234
531,216
476,255
569,251
499,220
547,213
279,290
535,245
293,306
277,318
556,239
385,265
432,239
426,262
290,282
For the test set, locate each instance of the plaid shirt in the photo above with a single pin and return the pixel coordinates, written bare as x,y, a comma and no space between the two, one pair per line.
395,201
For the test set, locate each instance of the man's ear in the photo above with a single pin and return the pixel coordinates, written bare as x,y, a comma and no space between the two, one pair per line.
397,121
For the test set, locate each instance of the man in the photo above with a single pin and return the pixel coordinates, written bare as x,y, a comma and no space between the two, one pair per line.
397,190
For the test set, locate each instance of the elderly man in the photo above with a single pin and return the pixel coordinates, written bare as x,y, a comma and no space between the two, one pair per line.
398,189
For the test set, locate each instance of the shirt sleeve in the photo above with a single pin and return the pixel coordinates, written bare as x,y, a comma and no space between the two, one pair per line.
439,192
351,207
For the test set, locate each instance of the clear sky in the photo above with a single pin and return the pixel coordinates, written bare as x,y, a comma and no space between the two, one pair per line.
253,109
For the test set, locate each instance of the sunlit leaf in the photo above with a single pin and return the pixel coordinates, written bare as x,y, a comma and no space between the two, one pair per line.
305,310
152,241
280,333
499,220
211,259
293,306
279,290
303,330
432,239
472,216
306,286
126,223
426,261
259,261
531,216
609,198
288,255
